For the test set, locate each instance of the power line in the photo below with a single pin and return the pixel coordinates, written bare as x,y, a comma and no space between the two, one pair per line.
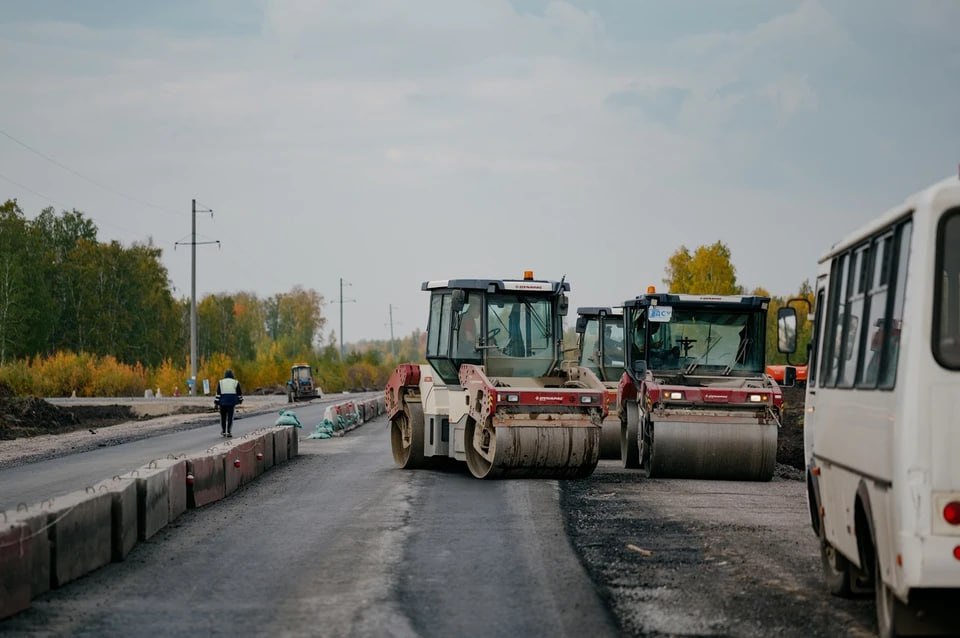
100,224
80,175
30,190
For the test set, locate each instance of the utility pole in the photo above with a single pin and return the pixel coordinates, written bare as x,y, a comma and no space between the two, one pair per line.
193,290
341,302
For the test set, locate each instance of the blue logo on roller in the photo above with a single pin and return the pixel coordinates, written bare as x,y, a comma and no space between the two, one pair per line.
660,314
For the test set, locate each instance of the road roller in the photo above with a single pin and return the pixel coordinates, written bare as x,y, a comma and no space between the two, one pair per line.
694,400
600,349
495,392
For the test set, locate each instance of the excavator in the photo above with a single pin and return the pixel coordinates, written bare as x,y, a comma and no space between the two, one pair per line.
600,349
495,392
694,400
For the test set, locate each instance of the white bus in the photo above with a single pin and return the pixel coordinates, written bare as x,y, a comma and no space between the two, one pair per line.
882,426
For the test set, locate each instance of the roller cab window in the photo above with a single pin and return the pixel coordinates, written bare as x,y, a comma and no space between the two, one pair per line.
707,341
520,339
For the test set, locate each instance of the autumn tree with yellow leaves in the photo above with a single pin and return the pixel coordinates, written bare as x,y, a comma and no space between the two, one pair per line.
708,271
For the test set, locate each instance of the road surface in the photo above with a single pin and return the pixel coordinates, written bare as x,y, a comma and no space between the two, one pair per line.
339,543
30,483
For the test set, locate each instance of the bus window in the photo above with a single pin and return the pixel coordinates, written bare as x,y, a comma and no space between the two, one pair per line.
837,310
851,334
898,277
946,311
817,338
876,318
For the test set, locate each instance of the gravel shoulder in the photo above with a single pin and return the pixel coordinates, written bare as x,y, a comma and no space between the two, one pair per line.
705,558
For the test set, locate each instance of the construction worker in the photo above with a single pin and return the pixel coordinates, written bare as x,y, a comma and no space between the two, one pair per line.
469,327
228,397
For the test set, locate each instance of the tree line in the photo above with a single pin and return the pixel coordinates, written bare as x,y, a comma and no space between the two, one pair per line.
62,290
77,313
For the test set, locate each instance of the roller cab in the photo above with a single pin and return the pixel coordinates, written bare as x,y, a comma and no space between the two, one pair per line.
694,400
495,393
600,339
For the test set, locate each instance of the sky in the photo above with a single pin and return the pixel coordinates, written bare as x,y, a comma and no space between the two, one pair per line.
392,142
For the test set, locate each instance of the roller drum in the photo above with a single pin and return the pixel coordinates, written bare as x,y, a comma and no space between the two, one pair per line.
610,438
406,437
730,451
532,451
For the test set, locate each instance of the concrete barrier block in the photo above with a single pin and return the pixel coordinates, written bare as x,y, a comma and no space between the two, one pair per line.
81,535
16,568
268,458
153,500
259,448
294,443
246,452
208,479
176,486
123,510
35,519
280,446
232,475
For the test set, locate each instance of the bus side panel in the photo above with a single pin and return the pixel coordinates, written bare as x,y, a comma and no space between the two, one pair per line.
838,493
944,405
855,429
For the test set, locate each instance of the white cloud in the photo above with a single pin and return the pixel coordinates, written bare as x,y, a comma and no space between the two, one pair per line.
390,145
790,95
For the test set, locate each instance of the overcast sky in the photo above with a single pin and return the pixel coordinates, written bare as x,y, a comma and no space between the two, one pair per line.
391,142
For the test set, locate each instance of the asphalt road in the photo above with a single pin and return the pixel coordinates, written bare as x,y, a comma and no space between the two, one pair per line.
340,543
33,482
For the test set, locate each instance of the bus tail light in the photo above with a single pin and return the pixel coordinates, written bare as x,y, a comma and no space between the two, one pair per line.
951,513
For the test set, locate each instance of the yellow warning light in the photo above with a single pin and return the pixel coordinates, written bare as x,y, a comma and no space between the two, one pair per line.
528,275
651,290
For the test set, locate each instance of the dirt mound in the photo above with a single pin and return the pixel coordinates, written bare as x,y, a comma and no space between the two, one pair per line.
26,416
32,416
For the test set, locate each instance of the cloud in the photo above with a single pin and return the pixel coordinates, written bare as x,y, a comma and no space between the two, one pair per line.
790,95
660,105
391,143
